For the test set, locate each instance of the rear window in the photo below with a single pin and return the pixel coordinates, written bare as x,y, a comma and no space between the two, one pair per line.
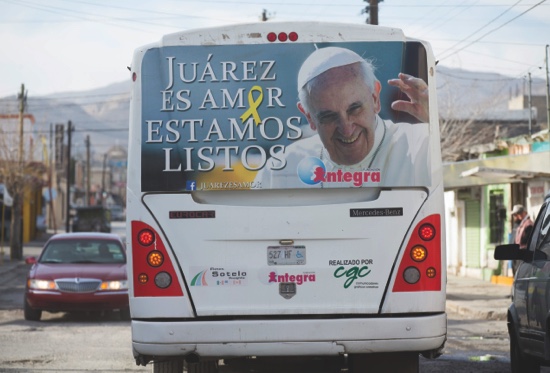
79,251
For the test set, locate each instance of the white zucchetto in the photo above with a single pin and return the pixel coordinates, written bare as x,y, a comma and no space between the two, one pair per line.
325,59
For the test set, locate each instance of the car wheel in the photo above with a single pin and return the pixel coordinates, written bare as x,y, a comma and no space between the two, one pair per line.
202,367
31,314
404,362
519,362
169,366
125,314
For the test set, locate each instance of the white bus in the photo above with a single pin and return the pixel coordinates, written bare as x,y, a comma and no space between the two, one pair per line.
285,198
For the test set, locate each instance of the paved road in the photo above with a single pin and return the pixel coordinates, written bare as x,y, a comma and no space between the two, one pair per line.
68,342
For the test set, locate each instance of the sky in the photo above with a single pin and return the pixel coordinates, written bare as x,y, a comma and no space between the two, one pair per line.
59,46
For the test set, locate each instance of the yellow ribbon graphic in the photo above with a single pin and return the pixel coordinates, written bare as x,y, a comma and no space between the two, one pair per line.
253,105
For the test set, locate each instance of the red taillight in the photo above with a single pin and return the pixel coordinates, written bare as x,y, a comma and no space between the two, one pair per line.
153,271
420,267
146,237
426,232
282,36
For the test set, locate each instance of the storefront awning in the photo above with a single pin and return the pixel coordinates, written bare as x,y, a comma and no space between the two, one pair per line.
497,170
488,172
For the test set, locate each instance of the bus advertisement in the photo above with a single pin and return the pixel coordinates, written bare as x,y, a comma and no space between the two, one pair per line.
285,197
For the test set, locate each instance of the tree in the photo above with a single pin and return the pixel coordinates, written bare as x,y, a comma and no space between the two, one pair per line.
18,172
464,122
458,135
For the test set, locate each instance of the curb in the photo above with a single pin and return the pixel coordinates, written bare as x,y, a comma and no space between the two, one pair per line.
478,312
502,280
9,266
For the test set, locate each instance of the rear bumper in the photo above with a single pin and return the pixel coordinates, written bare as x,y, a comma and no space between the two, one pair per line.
56,301
288,337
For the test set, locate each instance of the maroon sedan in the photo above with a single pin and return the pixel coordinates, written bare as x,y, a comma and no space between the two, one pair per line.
78,272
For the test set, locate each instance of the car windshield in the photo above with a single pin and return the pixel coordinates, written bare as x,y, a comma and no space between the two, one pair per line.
83,251
540,234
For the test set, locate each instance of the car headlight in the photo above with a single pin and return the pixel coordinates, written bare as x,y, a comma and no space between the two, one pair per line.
114,285
41,284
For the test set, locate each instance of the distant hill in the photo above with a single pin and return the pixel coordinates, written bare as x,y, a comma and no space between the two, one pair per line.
100,113
465,93
103,113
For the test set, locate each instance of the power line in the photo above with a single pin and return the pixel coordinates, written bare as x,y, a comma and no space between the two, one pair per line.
442,20
50,9
148,11
501,59
45,132
339,4
503,79
69,104
85,15
47,103
491,31
79,96
425,15
482,27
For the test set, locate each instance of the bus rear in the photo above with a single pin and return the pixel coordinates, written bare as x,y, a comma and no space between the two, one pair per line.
285,198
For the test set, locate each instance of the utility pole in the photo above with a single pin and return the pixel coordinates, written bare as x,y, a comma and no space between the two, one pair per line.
16,245
266,16
88,173
22,101
372,11
529,105
103,180
51,216
547,95
68,192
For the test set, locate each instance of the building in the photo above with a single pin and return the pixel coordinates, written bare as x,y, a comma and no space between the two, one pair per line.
480,192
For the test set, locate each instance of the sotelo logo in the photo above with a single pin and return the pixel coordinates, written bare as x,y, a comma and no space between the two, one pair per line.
219,276
309,170
313,171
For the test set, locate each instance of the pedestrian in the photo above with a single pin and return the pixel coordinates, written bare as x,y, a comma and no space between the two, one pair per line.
523,231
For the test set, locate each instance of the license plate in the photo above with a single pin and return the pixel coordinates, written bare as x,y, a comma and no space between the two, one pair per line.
286,255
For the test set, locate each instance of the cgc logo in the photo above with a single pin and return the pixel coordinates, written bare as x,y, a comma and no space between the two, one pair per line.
353,275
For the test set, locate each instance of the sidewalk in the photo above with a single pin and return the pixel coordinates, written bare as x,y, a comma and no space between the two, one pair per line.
477,298
466,296
32,248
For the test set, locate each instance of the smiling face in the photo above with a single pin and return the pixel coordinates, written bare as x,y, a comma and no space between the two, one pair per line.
342,108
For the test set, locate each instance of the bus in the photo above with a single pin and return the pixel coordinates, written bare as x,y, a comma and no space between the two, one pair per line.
285,199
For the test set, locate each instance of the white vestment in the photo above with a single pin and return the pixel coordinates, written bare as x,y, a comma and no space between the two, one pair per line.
401,154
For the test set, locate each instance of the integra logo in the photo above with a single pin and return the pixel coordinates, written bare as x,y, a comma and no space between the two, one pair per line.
312,171
297,279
